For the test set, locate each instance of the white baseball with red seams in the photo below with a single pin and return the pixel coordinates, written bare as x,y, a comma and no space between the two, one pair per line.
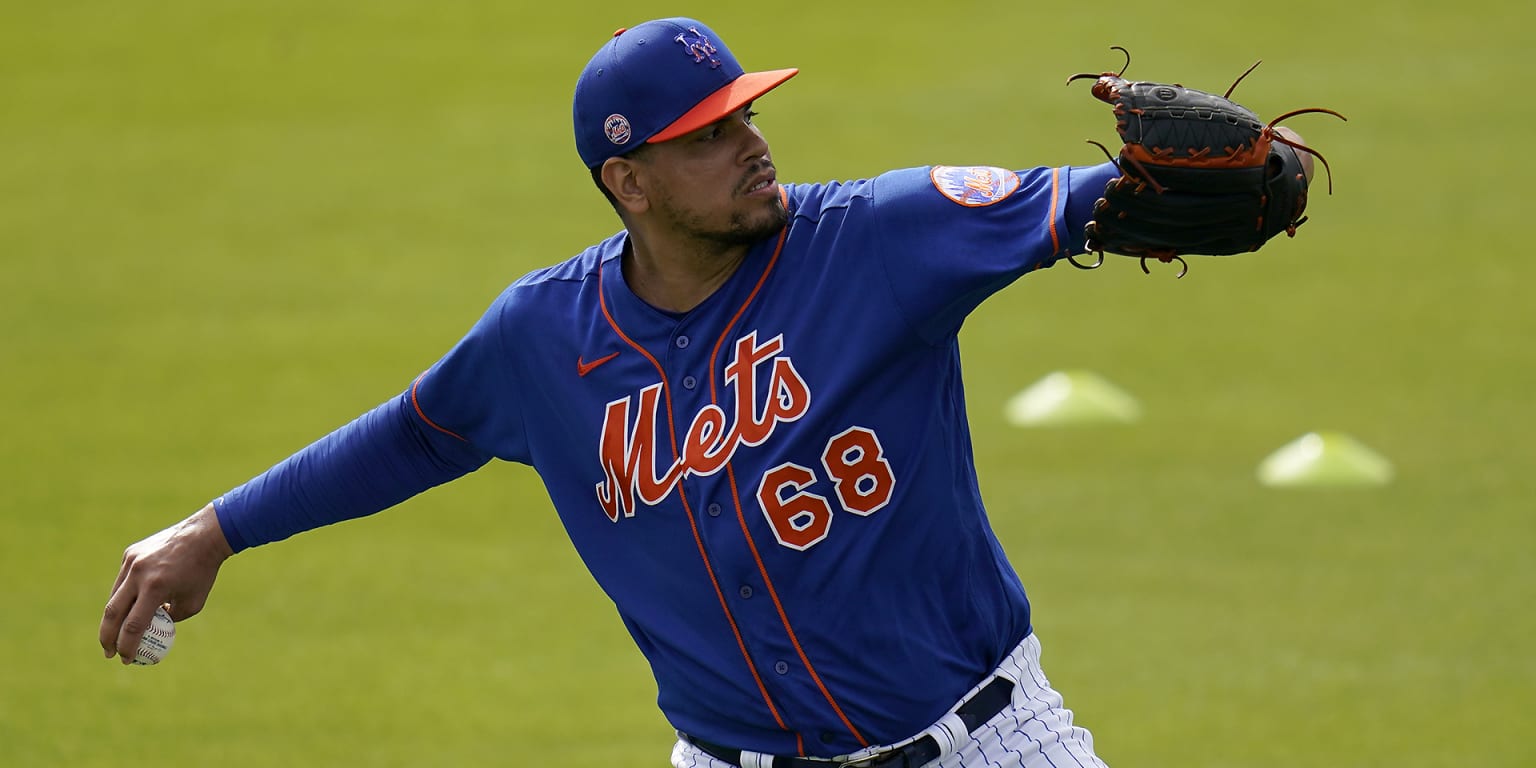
157,639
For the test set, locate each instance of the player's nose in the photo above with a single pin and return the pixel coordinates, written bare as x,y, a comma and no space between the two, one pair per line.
755,148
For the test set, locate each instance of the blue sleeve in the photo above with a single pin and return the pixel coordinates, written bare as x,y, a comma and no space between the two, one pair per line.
476,393
1086,187
455,418
382,458
952,236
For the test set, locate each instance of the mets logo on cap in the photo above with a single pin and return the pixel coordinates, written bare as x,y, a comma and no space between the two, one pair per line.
974,186
616,128
698,46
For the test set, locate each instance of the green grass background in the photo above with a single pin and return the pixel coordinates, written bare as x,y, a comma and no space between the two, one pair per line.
228,227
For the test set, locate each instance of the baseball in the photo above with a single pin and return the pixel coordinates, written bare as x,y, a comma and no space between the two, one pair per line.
157,641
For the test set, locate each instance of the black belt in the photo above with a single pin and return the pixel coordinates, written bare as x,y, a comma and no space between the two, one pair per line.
974,711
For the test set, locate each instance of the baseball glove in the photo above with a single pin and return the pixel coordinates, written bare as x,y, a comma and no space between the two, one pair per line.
1200,174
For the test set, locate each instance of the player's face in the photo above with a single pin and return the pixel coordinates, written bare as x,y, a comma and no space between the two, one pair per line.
718,183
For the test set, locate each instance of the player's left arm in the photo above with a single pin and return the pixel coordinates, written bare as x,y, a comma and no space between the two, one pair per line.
1086,184
950,236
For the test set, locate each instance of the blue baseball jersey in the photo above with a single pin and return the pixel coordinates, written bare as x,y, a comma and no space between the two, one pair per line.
775,488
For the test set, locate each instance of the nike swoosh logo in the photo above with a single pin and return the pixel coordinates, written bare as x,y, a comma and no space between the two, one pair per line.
583,368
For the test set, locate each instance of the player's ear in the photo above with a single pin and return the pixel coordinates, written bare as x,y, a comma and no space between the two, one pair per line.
620,176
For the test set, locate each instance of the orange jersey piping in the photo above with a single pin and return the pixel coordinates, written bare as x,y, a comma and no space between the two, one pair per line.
741,518
698,540
417,405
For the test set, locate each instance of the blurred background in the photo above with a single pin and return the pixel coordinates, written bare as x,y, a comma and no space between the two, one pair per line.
227,228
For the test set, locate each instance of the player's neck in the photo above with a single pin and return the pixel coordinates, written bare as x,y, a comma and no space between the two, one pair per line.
677,277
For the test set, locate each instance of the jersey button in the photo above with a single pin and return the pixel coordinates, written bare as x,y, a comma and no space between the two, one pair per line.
827,737
713,510
746,592
690,382
781,667
681,342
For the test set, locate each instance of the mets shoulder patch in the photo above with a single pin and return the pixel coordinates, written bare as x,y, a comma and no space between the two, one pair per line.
974,186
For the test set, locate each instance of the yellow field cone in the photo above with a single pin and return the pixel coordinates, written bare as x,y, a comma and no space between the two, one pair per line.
1319,459
1071,398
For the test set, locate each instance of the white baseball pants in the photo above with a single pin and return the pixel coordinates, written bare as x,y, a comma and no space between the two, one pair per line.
1034,731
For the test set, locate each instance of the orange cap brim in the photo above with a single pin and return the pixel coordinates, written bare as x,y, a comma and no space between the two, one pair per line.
731,97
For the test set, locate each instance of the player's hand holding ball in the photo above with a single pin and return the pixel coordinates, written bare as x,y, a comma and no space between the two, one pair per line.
165,576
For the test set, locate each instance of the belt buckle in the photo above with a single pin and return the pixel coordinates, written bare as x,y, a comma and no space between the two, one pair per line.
870,760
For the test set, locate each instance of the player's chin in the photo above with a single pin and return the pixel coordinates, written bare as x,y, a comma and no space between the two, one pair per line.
773,217
749,227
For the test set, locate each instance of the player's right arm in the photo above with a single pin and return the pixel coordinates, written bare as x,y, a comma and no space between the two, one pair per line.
382,458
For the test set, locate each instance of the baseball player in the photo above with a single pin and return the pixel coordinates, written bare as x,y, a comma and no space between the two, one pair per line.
747,410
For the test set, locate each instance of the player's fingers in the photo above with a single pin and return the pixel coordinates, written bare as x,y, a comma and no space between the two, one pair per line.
1306,159
119,601
122,571
118,606
134,627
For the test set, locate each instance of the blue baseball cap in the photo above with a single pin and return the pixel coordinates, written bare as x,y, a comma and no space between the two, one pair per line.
658,81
